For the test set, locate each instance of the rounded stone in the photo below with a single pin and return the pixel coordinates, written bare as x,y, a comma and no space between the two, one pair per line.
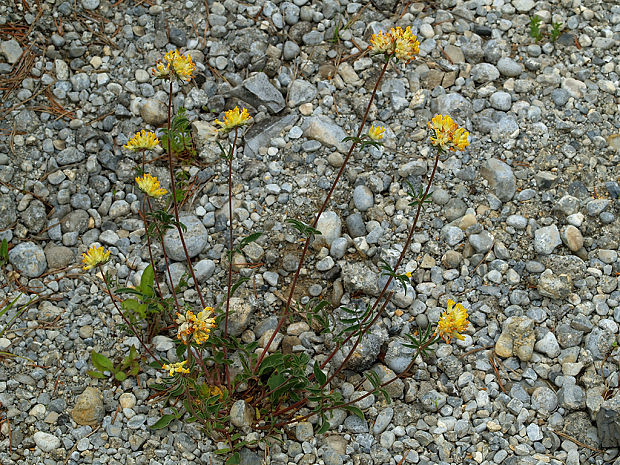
363,198
154,112
45,441
195,236
28,259
89,409
501,100
573,238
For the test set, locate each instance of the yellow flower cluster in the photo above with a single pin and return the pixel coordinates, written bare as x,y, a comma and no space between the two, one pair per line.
178,367
233,119
95,256
150,186
448,135
398,42
376,133
142,140
174,63
196,326
453,322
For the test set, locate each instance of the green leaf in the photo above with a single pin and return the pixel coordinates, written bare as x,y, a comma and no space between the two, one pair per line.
239,282
147,280
120,376
324,425
249,239
96,374
101,362
164,421
318,374
354,410
234,459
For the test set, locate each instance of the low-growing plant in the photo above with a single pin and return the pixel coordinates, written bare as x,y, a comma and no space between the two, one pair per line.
104,367
535,31
214,375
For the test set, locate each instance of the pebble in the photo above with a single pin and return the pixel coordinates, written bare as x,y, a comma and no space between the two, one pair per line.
501,179
196,239
45,441
546,239
29,259
88,409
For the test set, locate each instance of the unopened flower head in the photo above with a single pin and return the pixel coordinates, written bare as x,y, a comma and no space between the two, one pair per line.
376,133
196,326
150,186
453,322
233,119
448,135
403,44
95,256
178,367
143,140
181,66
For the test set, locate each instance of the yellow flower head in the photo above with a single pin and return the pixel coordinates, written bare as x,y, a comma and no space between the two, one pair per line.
234,118
142,140
150,186
199,326
382,42
448,135
407,45
204,324
95,256
376,133
178,367
459,139
403,44
453,322
181,66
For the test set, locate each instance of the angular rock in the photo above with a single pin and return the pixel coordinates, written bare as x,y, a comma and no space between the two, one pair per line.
546,239
154,112
258,90
500,178
323,129
556,287
301,91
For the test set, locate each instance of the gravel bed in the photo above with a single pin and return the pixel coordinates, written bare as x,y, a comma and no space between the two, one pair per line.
523,227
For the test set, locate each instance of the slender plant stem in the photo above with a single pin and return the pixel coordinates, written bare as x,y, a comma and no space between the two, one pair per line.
175,203
127,322
320,212
390,278
230,258
364,328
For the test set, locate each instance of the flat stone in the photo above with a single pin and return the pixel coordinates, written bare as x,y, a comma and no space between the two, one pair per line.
45,441
300,92
260,91
546,239
323,129
11,50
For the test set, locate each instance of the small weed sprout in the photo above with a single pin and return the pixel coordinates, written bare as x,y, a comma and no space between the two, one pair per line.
535,31
556,31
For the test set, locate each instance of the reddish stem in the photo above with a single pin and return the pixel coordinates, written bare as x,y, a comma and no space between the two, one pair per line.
316,219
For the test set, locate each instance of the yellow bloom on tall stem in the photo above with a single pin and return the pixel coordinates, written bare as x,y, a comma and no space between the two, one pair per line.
199,326
234,118
403,44
181,66
407,45
143,140
376,133
150,186
178,367
448,135
453,322
95,256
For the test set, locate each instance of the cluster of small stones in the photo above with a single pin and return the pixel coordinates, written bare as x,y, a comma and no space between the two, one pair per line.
523,226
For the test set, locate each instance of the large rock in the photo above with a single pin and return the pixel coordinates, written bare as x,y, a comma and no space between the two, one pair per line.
89,409
556,287
608,422
196,239
323,129
517,338
258,90
28,259
300,92
501,179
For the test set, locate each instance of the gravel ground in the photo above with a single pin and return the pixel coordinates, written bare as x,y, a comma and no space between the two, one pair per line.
523,228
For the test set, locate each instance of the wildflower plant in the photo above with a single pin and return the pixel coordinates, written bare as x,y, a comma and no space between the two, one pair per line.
211,369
